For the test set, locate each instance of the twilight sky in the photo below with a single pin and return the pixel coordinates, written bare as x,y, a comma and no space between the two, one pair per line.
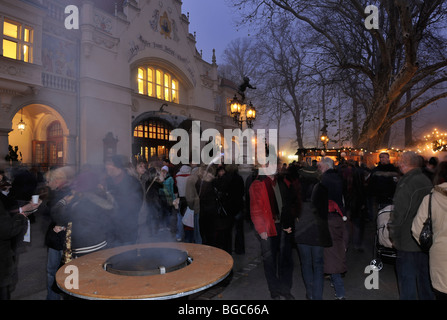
214,24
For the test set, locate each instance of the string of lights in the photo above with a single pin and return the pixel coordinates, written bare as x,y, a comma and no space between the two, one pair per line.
436,141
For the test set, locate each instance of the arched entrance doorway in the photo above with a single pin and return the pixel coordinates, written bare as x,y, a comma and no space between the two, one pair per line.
50,152
44,142
151,139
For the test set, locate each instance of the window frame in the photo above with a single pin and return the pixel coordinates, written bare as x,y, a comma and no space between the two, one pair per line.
157,83
153,129
24,49
151,138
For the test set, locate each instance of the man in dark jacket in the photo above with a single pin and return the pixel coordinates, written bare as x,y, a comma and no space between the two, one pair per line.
128,195
382,182
59,184
232,186
411,263
88,209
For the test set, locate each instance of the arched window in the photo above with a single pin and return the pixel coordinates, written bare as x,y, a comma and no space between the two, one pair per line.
157,83
152,129
152,139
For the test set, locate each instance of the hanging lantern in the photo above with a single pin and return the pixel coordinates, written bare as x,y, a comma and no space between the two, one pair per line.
251,115
251,112
21,125
235,107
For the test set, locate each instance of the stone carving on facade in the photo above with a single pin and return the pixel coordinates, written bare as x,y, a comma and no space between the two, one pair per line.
6,96
175,31
6,107
165,26
12,70
207,81
154,21
103,23
105,41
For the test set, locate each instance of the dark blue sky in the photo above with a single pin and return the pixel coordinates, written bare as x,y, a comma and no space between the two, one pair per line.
214,24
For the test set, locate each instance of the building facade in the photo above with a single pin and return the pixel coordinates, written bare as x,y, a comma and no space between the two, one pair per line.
117,82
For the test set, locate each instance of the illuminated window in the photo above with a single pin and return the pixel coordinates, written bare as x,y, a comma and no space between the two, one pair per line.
158,84
141,81
152,129
17,41
152,138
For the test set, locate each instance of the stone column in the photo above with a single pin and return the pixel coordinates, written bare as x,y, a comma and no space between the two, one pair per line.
70,151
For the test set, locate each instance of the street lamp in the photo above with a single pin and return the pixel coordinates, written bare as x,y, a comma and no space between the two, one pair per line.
251,115
324,138
236,107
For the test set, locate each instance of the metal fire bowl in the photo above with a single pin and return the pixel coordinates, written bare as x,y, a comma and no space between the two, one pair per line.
209,266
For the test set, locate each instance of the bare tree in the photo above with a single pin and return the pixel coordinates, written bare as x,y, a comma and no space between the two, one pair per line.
240,60
283,72
407,51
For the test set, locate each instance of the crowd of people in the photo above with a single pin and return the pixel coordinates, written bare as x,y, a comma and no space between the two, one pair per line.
105,208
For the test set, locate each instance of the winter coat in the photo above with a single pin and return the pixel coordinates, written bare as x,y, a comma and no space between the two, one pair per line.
335,256
55,240
191,194
291,200
382,182
12,228
128,195
181,177
334,184
209,216
231,186
167,193
354,191
438,251
312,227
260,210
410,190
214,226
90,214
153,200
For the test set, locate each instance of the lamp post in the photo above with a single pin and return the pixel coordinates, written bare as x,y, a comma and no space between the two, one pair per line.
236,109
324,138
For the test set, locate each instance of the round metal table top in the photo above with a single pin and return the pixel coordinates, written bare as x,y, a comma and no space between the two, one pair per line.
86,278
